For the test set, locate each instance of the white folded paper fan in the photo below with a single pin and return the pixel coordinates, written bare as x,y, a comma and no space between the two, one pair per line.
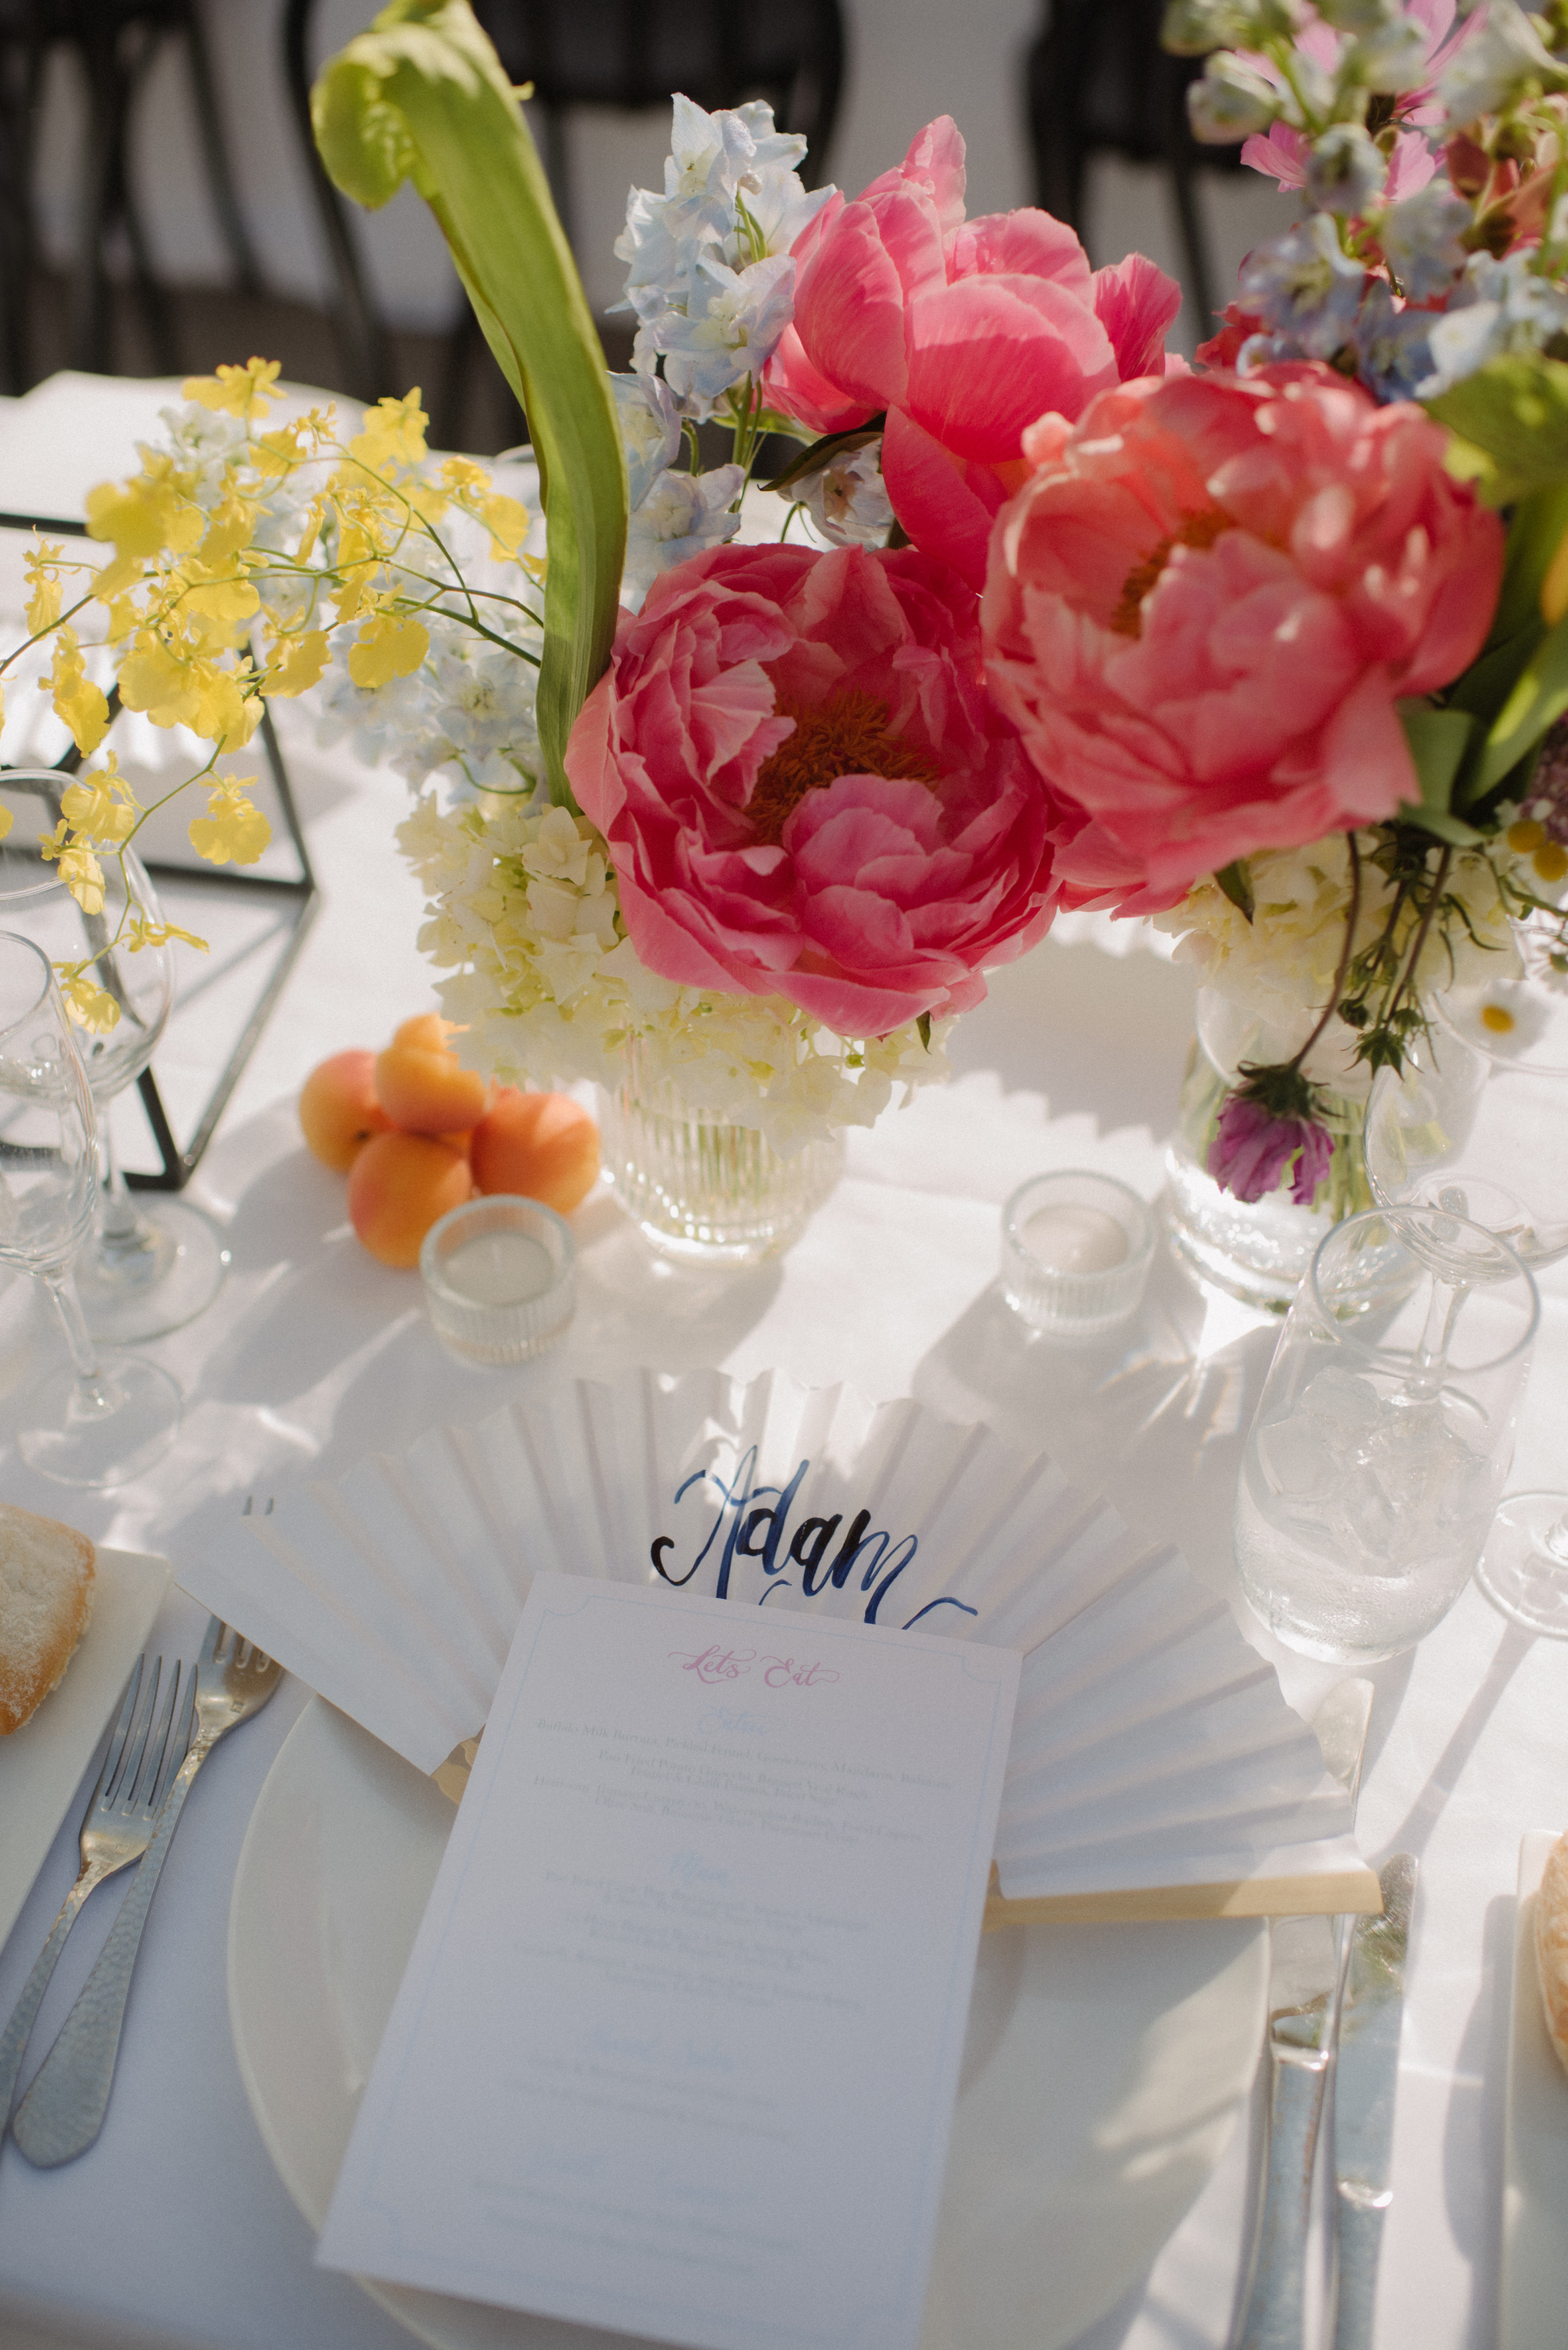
1151,1746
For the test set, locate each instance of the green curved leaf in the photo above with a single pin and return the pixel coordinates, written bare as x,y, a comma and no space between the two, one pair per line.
423,96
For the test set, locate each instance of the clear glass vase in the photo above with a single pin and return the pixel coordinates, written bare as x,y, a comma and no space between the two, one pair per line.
1259,1250
702,1190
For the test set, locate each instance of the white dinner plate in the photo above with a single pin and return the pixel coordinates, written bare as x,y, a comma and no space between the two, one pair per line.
41,1764
1103,2075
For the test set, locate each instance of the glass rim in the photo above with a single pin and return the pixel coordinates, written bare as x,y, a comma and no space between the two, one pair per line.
1405,1215
15,938
49,879
1144,1219
553,1235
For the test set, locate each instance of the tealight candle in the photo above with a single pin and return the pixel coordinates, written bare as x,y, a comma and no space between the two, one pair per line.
499,1278
499,1268
1069,1238
1076,1252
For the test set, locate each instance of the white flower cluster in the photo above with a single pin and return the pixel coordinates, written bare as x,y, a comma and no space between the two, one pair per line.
466,713
710,278
1284,959
523,912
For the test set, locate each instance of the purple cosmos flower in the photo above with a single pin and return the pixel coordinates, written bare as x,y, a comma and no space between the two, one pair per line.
1252,1150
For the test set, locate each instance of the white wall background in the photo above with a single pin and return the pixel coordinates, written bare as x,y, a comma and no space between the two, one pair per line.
909,59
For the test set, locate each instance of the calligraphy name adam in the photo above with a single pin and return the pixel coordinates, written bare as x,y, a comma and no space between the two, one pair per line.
753,1523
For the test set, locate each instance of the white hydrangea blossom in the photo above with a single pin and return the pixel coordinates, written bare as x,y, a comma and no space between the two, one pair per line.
524,913
1284,961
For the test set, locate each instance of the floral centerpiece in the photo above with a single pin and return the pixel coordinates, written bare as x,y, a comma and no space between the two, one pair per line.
1274,650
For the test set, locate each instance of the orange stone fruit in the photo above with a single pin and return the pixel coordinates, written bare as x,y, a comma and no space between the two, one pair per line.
544,1145
428,1031
338,1111
425,1091
398,1187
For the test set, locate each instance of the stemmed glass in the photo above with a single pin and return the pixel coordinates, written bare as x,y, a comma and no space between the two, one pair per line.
100,1422
1477,1123
147,1271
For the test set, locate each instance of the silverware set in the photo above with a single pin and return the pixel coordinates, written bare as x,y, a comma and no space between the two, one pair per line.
1335,2000
170,1722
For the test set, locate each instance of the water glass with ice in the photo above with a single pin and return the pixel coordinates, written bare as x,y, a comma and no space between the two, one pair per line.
1384,1433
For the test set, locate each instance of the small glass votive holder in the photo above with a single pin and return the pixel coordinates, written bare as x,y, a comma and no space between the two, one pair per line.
500,1276
1075,1252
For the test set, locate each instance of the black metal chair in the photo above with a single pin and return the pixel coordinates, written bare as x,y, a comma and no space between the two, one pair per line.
115,43
1099,83
621,53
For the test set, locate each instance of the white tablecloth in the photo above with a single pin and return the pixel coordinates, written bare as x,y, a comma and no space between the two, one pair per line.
174,2228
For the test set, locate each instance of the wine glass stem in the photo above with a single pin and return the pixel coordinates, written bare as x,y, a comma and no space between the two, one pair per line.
1432,1352
122,1223
62,1289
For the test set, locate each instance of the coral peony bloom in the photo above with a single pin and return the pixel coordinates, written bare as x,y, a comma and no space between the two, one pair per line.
963,331
1203,607
805,789
1252,1150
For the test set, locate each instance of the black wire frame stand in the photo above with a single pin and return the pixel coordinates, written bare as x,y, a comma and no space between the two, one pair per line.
303,895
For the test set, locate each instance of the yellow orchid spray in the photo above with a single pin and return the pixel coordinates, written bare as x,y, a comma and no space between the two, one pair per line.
244,559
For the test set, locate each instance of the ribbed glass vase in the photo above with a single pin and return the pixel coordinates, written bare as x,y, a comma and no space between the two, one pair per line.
703,1190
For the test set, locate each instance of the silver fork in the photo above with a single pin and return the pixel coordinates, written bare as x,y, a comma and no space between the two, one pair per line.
63,2111
116,1829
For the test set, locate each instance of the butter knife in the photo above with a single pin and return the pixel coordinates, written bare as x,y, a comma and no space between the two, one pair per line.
1305,1984
1364,2091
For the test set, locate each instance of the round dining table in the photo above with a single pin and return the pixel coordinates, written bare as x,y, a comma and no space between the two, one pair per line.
174,2231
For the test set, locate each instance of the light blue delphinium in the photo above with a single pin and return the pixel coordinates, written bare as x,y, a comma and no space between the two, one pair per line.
1393,347
1498,307
682,515
1304,288
1345,171
649,430
1423,238
727,329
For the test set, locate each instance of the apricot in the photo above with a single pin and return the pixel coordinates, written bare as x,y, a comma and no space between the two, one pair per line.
427,1092
338,1111
427,1031
398,1187
544,1145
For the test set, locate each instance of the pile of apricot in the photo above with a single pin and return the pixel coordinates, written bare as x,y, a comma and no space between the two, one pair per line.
416,1133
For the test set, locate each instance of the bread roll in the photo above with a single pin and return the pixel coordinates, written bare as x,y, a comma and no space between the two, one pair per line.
46,1598
1552,1945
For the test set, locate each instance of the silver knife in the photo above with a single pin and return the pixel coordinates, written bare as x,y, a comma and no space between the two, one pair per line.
1304,1982
1363,2098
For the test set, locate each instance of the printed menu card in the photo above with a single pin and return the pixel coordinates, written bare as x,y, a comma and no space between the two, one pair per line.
677,2044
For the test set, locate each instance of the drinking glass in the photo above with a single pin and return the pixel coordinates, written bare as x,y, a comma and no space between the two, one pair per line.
1477,1122
104,1421
152,1270
1384,1433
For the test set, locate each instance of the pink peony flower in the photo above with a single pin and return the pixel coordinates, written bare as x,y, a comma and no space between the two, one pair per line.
806,790
963,331
1203,607
1252,1150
